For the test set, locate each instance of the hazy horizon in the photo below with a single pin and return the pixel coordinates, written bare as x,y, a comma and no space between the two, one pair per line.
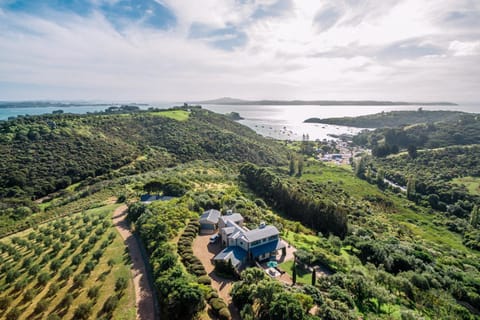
178,50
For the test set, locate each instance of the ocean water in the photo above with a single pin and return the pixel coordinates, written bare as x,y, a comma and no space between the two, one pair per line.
279,122
286,122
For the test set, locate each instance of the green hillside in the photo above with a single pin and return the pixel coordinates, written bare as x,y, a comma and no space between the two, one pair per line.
391,119
42,154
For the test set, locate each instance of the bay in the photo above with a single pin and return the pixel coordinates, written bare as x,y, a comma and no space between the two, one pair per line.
286,122
279,122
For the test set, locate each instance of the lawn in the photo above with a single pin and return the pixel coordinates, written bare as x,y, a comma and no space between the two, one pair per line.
51,270
303,276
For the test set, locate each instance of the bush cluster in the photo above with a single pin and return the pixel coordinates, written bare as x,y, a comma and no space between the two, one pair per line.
192,263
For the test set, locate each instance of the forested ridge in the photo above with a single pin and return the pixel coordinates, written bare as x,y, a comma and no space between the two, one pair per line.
384,141
42,154
392,118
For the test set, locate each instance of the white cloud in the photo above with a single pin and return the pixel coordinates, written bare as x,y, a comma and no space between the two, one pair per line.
286,56
460,48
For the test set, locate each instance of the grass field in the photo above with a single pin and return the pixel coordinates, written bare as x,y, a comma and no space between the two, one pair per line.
179,115
471,183
67,269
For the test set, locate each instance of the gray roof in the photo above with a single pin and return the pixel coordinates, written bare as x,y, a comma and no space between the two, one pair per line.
235,217
261,233
229,230
211,216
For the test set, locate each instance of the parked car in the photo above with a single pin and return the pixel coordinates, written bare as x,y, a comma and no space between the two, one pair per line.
214,238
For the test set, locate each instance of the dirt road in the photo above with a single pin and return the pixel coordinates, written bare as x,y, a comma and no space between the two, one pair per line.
205,251
143,291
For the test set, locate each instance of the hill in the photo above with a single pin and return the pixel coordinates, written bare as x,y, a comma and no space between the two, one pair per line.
232,101
42,154
391,119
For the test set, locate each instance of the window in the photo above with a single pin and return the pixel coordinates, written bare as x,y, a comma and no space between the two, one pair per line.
273,237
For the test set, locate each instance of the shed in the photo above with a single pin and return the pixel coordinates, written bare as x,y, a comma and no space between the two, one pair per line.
209,220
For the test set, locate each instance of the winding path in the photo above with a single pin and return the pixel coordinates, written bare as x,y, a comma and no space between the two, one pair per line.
143,291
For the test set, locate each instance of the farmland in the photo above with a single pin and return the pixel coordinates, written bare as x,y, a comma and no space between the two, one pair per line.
74,267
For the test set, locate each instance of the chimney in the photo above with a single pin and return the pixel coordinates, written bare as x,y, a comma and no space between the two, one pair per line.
262,225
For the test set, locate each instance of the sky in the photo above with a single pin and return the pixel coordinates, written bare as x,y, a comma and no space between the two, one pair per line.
184,50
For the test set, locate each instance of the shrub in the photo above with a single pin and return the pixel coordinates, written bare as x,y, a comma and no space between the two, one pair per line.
42,305
43,278
28,296
110,304
121,284
204,280
52,290
217,304
211,294
21,284
67,300
53,316
83,311
224,314
65,273
93,292
79,280
14,314
5,302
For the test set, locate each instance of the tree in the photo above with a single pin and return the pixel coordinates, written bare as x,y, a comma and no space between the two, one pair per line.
286,307
361,168
135,211
185,301
67,301
380,179
83,311
121,284
411,188
291,170
412,151
475,216
294,272
110,304
300,166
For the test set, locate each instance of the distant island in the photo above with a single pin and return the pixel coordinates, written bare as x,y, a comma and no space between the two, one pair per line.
391,119
232,101
60,104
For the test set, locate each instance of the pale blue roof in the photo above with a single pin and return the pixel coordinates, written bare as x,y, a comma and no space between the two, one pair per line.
235,254
266,248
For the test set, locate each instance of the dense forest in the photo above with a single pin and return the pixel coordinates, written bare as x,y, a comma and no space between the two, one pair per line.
298,200
391,119
385,141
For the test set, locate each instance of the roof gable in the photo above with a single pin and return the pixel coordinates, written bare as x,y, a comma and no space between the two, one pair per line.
211,216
